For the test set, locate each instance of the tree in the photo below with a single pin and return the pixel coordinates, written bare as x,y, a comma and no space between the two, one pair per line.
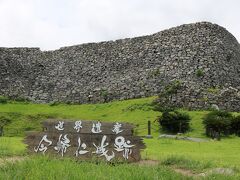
217,123
174,121
164,101
3,122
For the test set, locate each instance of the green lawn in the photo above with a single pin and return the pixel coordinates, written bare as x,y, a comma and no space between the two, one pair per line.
218,153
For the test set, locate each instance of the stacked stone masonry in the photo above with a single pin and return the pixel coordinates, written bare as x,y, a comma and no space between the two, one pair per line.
203,56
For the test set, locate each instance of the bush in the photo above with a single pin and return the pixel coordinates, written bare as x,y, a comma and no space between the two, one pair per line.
54,103
174,121
3,100
157,106
104,93
217,123
3,122
21,99
235,125
164,102
199,73
172,87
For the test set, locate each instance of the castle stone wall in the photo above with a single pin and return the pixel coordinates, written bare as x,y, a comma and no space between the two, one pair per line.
202,56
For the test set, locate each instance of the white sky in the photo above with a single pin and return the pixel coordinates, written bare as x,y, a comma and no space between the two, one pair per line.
51,24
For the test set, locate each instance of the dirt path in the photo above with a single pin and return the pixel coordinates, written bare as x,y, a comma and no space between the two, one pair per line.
148,162
184,172
12,159
187,172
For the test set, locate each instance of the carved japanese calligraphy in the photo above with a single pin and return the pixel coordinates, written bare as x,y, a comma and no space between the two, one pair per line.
96,128
62,144
86,139
117,128
81,148
59,126
41,146
78,125
102,151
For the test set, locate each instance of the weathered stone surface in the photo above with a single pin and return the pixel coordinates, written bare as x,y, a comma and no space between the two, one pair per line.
201,55
86,140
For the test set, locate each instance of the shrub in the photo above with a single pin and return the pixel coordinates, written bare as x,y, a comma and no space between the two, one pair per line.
104,94
213,90
163,102
21,99
199,73
235,125
3,100
157,106
174,121
172,87
54,103
217,123
18,99
3,122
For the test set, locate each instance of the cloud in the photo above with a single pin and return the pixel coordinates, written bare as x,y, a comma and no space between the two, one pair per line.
51,24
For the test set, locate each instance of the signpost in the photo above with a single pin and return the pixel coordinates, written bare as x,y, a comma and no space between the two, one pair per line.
87,140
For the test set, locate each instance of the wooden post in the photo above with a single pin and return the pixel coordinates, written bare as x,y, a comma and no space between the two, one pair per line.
149,130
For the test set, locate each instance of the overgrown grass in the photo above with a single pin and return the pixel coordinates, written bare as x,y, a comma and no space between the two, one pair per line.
11,146
186,163
49,168
218,153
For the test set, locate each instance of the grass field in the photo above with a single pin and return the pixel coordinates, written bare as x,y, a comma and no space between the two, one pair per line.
12,146
46,168
224,153
197,157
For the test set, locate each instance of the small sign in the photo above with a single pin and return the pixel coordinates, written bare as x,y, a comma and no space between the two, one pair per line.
86,140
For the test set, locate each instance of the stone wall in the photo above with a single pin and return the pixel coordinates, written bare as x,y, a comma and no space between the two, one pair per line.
201,55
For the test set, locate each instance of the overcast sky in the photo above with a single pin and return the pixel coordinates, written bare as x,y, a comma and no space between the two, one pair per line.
51,24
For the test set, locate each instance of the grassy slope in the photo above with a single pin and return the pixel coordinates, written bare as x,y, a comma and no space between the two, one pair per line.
138,111
28,117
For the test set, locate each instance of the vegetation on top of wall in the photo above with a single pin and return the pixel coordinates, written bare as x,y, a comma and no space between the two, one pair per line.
154,73
213,90
172,88
12,99
199,73
104,93
168,91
